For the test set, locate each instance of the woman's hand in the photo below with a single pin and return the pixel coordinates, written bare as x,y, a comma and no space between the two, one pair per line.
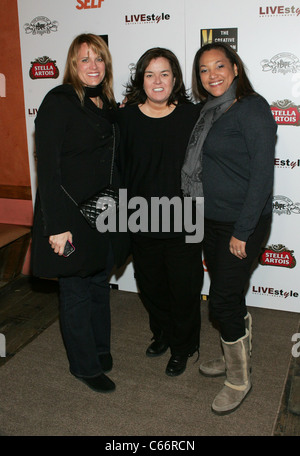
58,241
237,248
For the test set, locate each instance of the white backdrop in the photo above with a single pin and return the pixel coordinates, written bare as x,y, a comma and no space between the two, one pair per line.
266,37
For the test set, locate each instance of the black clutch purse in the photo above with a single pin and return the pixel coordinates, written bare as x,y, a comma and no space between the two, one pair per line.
103,201
106,200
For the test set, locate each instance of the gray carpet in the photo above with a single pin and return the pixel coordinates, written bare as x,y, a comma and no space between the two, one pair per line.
39,397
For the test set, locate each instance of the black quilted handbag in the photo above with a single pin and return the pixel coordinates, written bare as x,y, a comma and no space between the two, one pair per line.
105,200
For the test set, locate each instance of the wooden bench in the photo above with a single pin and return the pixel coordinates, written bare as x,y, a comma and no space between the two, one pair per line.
14,243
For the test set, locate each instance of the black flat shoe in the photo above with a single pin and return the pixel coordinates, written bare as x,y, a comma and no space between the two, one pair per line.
157,348
106,362
100,384
176,365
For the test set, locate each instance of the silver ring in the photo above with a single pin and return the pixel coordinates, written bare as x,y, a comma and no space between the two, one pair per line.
238,251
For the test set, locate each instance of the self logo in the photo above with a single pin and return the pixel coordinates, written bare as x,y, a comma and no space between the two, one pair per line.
88,4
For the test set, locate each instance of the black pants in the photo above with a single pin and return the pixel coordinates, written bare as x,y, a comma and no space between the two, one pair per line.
229,275
169,274
85,320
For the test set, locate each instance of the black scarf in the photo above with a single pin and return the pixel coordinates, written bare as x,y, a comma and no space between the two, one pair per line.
191,173
93,92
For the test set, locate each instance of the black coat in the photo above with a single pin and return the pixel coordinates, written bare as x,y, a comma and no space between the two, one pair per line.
74,150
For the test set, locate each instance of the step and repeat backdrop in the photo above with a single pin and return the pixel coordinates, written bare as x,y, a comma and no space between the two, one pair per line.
264,33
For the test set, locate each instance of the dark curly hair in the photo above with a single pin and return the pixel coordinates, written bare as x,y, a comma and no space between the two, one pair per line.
135,93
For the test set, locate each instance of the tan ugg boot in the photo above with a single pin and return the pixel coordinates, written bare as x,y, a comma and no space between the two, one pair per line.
216,367
238,383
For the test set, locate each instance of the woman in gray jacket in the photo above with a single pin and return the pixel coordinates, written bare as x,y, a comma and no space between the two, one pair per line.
230,160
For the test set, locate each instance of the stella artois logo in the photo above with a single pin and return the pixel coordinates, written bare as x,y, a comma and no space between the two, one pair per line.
43,68
278,255
285,112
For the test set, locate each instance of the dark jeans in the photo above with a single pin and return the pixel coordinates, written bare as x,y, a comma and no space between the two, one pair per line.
169,274
229,275
85,320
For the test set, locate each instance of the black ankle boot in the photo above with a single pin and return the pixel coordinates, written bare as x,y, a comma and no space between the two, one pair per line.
176,365
106,362
100,384
157,348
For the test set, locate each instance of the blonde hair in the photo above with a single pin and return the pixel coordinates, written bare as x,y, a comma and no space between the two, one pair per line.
98,45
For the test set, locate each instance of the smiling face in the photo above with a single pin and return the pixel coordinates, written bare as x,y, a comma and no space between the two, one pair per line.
90,66
158,80
216,72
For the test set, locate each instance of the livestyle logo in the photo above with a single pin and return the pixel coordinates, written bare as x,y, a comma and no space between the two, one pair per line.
2,86
287,163
134,19
88,4
272,292
32,112
273,11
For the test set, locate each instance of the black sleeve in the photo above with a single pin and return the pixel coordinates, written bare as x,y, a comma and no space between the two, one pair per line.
121,155
51,124
259,130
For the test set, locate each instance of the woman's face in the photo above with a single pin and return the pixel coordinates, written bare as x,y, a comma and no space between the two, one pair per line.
216,72
159,80
90,66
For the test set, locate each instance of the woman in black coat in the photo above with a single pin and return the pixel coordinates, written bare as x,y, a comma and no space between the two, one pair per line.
75,137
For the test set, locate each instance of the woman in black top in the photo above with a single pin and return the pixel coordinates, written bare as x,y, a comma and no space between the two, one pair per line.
74,141
231,162
155,127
